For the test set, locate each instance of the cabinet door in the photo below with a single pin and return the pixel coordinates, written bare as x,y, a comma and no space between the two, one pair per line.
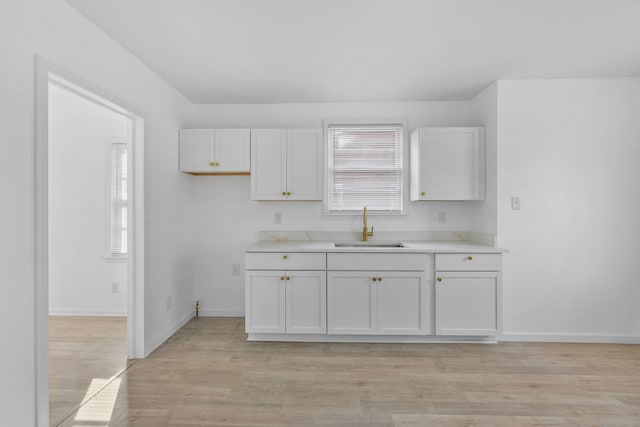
351,302
467,303
450,164
196,150
304,164
404,303
231,150
265,302
268,164
306,300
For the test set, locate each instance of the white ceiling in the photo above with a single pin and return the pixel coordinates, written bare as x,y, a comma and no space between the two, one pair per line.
273,51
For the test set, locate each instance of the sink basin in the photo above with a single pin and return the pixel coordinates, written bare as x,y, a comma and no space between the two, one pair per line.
369,245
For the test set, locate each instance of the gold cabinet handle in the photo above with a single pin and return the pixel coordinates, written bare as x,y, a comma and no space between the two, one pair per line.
423,194
439,279
284,194
216,164
379,279
281,277
284,257
374,279
288,278
469,257
211,164
288,193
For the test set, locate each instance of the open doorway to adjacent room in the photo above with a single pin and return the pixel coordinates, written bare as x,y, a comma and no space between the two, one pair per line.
89,246
88,145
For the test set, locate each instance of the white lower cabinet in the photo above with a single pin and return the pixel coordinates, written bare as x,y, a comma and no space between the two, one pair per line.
265,302
368,301
285,302
468,297
404,301
351,303
369,294
382,303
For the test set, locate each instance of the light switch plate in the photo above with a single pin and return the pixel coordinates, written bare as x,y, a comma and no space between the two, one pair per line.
235,269
515,203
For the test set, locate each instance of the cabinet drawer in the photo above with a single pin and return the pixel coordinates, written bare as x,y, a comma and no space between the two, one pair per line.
377,262
468,262
285,261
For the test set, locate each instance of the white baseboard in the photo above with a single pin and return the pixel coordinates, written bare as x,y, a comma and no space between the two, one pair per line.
570,338
169,332
105,313
221,313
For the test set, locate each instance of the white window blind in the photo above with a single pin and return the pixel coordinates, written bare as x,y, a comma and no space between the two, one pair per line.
118,196
364,168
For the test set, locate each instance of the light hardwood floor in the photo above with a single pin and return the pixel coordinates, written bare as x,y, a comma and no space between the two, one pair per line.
83,353
207,374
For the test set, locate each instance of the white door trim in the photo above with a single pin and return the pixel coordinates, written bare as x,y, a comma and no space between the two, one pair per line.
46,72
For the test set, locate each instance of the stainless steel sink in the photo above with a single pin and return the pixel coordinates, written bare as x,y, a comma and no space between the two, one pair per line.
369,245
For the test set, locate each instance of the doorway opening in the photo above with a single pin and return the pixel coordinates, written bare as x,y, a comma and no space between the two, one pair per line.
89,240
88,146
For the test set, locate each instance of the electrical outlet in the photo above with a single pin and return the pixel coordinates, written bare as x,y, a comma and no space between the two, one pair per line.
515,203
235,269
115,287
169,303
442,217
277,217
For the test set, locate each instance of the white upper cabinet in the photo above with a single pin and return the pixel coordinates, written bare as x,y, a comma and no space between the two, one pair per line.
286,164
304,164
196,150
448,163
268,164
232,150
211,151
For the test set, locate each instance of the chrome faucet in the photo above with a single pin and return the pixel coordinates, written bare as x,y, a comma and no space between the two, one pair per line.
365,231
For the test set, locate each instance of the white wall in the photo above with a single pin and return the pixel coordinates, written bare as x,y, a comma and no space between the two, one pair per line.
54,30
483,110
80,275
226,220
570,150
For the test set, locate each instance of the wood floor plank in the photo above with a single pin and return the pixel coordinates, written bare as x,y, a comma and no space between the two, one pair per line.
82,349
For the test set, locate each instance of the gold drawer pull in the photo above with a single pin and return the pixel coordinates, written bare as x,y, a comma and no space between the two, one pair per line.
423,194
211,164
439,279
379,279
288,193
374,279
284,257
469,257
288,278
284,194
281,277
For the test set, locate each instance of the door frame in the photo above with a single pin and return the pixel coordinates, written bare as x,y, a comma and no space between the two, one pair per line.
46,72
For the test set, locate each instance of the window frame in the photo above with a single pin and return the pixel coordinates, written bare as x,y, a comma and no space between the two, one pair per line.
404,156
110,143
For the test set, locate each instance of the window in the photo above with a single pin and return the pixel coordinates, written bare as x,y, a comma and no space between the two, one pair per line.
364,168
118,201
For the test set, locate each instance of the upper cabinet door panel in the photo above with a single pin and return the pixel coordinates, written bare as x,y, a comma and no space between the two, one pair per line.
232,150
196,150
448,163
304,164
268,164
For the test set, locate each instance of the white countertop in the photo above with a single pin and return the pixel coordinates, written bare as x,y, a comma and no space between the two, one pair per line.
410,247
